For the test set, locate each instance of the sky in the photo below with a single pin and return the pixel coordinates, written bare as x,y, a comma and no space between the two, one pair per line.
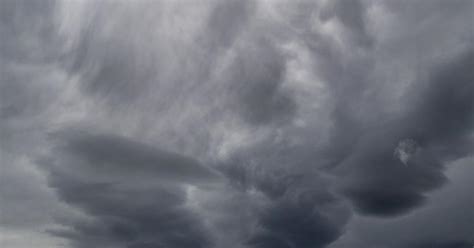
237,124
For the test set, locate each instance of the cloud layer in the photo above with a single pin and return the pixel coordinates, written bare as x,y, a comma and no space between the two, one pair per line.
240,124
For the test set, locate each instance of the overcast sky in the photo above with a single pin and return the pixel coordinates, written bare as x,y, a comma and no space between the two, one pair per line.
237,124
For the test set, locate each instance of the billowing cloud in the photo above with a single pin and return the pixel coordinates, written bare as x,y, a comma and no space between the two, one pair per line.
306,215
439,120
430,226
134,195
240,124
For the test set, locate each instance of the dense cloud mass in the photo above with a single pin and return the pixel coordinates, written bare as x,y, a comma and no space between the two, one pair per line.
237,124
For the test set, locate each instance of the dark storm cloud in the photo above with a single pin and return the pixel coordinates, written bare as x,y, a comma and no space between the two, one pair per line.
104,155
453,244
300,210
446,220
433,113
112,158
379,183
263,124
294,226
121,215
439,119
133,194
300,219
445,111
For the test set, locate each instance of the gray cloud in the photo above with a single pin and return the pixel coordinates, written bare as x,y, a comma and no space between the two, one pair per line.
134,194
370,119
352,14
129,217
29,31
299,208
304,216
29,89
236,124
110,156
439,224
439,123
256,78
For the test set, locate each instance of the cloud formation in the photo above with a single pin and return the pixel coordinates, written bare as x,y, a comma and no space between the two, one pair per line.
240,124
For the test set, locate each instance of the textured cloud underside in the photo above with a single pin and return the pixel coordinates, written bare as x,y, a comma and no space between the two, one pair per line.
237,124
